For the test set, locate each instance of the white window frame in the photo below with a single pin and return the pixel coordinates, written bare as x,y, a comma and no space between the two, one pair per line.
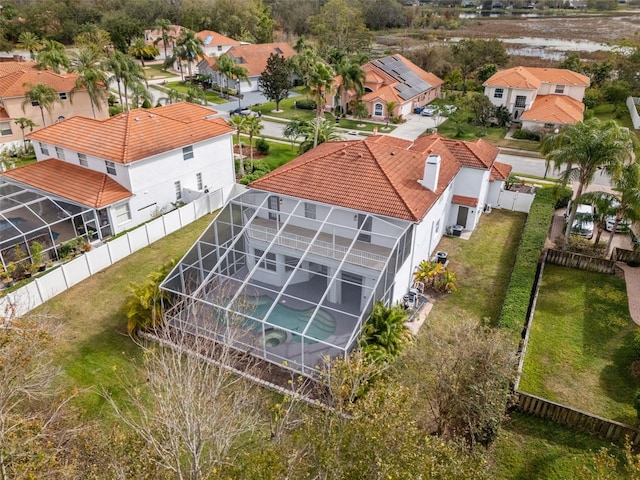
5,129
559,90
178,188
378,110
269,262
60,153
62,95
199,183
524,102
498,93
187,152
44,149
310,210
111,168
122,213
82,160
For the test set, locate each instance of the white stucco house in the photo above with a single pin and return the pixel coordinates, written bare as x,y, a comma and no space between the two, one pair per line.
540,98
215,44
114,174
300,257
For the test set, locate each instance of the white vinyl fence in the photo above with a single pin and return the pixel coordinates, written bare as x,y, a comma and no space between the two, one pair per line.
516,201
633,110
59,279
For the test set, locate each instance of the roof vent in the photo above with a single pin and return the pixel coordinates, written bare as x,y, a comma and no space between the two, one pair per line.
393,152
137,119
151,115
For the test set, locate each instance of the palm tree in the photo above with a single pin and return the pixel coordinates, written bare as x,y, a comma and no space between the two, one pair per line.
43,96
585,148
140,95
359,110
225,65
173,96
126,72
52,55
390,107
196,94
628,187
30,42
139,49
353,78
239,74
87,63
384,334
604,204
164,26
192,47
238,122
293,130
303,63
319,85
23,123
318,132
253,126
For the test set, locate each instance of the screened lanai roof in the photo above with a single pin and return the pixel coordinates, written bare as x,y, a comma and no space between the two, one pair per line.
308,269
26,213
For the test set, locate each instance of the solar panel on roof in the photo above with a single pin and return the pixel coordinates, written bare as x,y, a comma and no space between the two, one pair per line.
411,85
207,40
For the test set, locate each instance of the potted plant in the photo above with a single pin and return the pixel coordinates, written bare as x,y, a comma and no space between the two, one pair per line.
37,265
6,274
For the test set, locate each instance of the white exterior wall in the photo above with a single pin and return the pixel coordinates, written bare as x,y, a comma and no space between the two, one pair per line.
493,194
509,97
573,91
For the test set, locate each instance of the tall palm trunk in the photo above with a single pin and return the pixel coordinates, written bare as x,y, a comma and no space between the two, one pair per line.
572,216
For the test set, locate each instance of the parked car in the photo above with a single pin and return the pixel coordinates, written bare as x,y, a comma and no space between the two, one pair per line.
429,111
449,109
623,225
583,221
418,110
242,111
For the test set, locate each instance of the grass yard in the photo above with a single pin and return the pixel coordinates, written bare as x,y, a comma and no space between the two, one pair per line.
579,350
155,71
93,343
183,88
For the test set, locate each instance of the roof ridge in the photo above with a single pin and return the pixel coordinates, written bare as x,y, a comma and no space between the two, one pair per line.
391,183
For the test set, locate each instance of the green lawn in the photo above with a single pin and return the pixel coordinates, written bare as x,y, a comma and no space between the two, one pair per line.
183,88
579,350
155,71
93,343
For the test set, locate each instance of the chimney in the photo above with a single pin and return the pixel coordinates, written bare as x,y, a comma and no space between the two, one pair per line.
431,172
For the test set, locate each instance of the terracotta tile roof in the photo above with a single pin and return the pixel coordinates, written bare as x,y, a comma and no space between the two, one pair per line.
386,94
531,78
209,37
72,182
11,67
476,154
3,114
378,174
16,84
500,171
254,57
136,134
462,200
557,109
428,77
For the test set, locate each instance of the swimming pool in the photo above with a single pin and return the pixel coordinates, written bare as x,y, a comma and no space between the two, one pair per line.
322,327
9,223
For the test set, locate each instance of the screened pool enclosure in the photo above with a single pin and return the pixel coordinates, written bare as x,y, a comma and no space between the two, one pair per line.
28,216
285,279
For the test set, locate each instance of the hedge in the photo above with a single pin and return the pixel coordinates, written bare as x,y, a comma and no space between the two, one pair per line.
516,302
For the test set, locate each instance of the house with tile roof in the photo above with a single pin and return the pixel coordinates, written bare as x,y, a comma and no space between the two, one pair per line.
16,78
252,57
393,79
215,44
314,243
122,171
540,98
154,37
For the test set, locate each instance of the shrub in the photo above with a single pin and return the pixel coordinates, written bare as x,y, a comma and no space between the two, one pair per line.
262,146
306,104
636,403
516,302
521,134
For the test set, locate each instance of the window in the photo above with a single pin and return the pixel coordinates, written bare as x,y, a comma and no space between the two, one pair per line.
63,95
82,160
549,125
274,207
60,153
198,181
123,213
378,110
521,101
178,189
5,128
310,210
187,153
111,167
269,262
35,104
498,93
560,89
437,226
219,48
43,149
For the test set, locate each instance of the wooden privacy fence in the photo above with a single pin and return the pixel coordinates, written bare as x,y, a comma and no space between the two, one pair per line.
626,256
571,417
581,262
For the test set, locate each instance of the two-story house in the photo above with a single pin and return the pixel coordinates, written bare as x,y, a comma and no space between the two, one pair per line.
540,98
297,261
392,79
117,173
17,78
215,44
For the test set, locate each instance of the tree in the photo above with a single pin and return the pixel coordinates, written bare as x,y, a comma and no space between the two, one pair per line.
470,54
173,96
126,72
225,65
627,186
23,123
353,78
320,84
164,25
139,49
275,80
253,126
44,96
317,132
383,14
239,74
482,108
191,411
88,64
583,149
191,46
359,110
238,122
389,107
30,42
96,38
485,72
462,372
293,130
384,334
196,94
52,55
122,28
604,204
341,26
